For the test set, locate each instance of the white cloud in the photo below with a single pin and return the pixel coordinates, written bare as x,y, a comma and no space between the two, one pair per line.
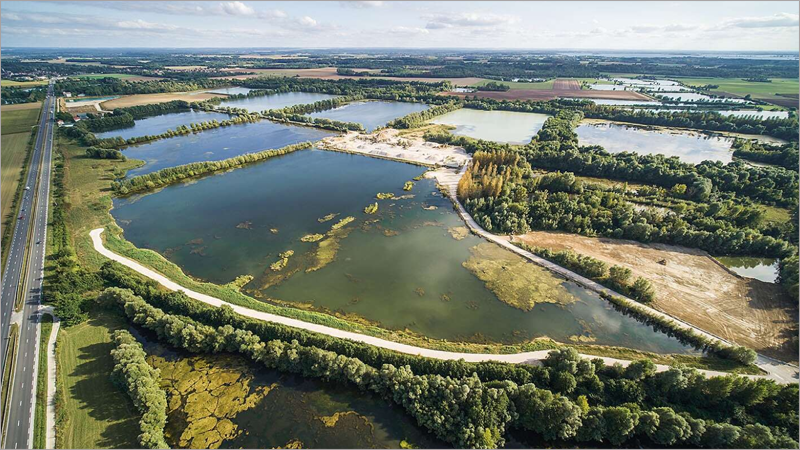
776,21
272,14
408,30
363,4
307,21
142,25
440,21
236,9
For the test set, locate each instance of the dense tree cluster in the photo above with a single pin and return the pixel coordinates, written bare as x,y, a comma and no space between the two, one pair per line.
176,174
10,95
494,86
588,401
117,86
154,109
418,119
104,153
107,123
785,155
142,384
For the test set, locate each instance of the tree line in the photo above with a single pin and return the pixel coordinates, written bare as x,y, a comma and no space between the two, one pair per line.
785,155
141,382
418,119
176,174
470,412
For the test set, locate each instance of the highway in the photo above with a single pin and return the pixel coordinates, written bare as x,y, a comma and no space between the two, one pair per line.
27,280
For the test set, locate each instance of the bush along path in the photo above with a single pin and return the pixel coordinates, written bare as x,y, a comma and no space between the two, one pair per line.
533,358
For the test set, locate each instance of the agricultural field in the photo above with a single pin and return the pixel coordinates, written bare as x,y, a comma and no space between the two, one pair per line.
22,84
17,121
547,85
146,99
781,91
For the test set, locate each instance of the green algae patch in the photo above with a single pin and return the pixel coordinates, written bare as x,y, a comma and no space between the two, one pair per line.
384,195
312,237
371,209
329,247
408,186
278,265
331,421
204,396
327,217
458,233
513,280
342,223
239,282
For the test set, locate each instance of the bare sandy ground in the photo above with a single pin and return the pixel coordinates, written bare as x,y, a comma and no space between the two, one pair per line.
694,287
389,144
145,99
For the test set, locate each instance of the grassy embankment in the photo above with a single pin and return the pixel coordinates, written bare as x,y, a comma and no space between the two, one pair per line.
17,126
90,411
40,418
88,184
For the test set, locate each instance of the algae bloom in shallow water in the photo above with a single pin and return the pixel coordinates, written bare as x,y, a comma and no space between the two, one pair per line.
513,280
312,237
408,186
383,195
342,223
327,217
371,209
281,263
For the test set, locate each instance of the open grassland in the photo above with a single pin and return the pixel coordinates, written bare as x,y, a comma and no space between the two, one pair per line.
22,84
92,412
692,286
780,91
21,106
18,120
146,99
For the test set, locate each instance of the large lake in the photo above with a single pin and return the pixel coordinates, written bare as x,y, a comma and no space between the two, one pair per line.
371,114
690,147
275,101
405,267
499,126
218,143
158,124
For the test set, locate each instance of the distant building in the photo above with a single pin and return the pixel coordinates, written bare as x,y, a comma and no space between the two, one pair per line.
76,118
67,94
60,123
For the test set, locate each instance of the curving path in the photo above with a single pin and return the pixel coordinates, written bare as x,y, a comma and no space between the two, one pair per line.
533,358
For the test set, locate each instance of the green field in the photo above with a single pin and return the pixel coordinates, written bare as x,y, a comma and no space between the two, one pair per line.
520,85
95,76
22,83
19,120
738,86
91,411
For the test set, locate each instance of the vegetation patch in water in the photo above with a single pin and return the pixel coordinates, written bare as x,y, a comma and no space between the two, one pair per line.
513,280
239,282
278,265
204,398
371,209
408,186
327,217
342,223
384,195
312,237
458,233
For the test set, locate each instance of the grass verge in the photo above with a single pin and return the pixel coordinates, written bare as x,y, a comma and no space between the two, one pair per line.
8,372
40,417
90,411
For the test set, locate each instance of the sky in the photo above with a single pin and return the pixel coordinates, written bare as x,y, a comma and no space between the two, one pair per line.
640,25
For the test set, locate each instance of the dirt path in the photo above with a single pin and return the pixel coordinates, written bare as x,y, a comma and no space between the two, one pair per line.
533,358
694,287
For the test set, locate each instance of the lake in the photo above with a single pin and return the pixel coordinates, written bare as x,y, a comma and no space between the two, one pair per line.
371,114
695,97
230,90
764,269
411,265
265,408
612,102
500,126
275,101
689,146
217,144
158,124
757,114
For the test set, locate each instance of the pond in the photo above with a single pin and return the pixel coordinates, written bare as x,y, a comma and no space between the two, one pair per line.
275,101
371,114
230,90
217,144
262,408
499,126
411,265
764,269
757,114
613,102
691,147
158,124
695,97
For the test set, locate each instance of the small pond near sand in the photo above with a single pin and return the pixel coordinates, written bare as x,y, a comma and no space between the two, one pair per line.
158,124
217,144
499,126
371,114
227,401
764,269
275,101
297,225
691,147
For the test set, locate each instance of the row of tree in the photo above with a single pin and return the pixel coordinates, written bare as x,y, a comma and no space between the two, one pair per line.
785,155
105,153
176,174
472,413
421,118
141,382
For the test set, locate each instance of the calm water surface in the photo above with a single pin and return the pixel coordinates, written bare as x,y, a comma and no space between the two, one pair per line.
275,101
218,143
230,90
158,124
400,268
689,146
764,269
612,102
371,114
499,126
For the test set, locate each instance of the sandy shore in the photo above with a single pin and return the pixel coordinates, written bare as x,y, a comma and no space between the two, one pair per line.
388,144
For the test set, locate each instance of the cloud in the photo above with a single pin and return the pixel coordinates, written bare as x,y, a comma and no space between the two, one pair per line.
467,20
307,21
236,9
140,24
362,4
780,20
409,30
